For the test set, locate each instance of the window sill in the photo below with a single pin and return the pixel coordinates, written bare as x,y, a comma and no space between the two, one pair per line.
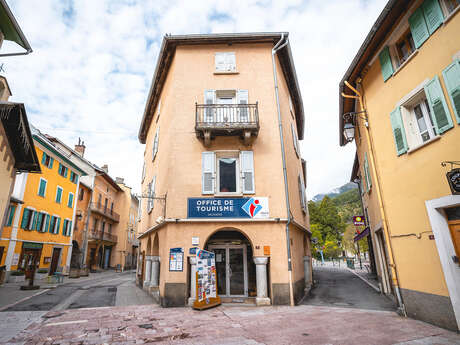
220,195
424,144
227,72
452,14
411,56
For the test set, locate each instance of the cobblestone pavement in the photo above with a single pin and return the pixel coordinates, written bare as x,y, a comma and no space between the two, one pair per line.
227,325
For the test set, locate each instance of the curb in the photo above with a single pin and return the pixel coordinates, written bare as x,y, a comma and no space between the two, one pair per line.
23,299
365,280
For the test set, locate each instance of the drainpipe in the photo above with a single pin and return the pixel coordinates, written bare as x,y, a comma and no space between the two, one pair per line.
394,272
277,47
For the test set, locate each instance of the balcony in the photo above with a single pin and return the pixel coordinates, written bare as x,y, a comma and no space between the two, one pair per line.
102,236
104,211
227,120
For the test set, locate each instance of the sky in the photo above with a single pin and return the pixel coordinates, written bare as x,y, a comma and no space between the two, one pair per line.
93,61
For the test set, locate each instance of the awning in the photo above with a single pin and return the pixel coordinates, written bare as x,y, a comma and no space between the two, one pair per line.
14,120
10,27
361,235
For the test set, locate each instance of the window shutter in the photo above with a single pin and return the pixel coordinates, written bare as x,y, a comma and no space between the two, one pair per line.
45,229
39,222
65,172
398,131
247,171
25,218
452,80
64,228
34,221
143,172
440,112
433,15
51,163
11,215
70,202
69,228
41,190
58,226
154,180
368,174
59,195
44,158
302,193
51,228
385,63
209,98
220,62
418,27
208,160
155,144
243,98
294,140
230,62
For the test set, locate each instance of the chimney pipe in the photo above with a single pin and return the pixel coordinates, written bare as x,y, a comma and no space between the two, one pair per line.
105,167
80,147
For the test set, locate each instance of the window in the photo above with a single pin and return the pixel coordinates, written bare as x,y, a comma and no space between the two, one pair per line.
11,211
295,140
302,194
55,224
95,224
81,194
420,118
70,200
449,6
63,170
452,81
102,226
47,161
110,228
29,218
291,107
143,172
58,194
67,227
158,110
405,46
225,62
155,144
73,177
367,174
42,187
42,222
151,194
233,171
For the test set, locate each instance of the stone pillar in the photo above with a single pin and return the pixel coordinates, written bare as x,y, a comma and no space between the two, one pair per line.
261,280
307,272
148,271
155,281
192,297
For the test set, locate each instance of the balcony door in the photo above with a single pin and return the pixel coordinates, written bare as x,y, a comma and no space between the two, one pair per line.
225,114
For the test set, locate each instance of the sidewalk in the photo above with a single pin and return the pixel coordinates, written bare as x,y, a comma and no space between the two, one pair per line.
369,278
10,292
225,325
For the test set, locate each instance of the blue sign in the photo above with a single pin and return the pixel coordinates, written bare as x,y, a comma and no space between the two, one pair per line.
227,208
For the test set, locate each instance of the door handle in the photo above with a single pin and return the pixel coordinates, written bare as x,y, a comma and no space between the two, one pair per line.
455,259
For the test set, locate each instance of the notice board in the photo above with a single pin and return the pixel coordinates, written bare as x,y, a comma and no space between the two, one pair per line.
206,280
176,259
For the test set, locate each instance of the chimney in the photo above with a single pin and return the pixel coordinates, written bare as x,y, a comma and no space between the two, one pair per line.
120,180
80,147
105,167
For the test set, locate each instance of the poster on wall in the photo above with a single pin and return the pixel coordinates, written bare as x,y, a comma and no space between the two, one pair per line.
206,280
176,259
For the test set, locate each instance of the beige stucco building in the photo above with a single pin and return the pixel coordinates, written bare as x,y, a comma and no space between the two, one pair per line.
405,118
223,118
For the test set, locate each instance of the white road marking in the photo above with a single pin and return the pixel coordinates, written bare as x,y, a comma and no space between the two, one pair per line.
65,323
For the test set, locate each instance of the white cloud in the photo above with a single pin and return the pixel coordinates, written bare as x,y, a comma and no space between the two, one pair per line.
93,61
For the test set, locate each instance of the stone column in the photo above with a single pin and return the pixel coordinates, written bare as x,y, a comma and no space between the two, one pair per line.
155,281
148,271
261,280
307,272
192,297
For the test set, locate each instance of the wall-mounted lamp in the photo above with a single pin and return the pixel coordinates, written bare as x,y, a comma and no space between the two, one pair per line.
350,122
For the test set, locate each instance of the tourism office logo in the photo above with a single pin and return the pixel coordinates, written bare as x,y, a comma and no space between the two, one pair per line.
252,207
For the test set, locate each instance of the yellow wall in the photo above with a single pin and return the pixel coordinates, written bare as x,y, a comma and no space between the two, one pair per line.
409,180
7,174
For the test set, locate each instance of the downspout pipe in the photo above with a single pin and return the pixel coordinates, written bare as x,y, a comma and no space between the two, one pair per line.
278,46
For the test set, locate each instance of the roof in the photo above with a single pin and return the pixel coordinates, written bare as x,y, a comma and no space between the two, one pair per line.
378,33
355,169
168,47
107,177
10,27
14,120
6,83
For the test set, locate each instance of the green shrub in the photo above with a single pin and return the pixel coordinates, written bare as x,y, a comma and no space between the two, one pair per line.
17,273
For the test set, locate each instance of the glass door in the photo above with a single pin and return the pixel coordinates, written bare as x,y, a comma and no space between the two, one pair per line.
236,263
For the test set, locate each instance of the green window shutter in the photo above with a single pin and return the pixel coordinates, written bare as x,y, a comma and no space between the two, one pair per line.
69,232
433,15
51,225
418,27
45,229
41,190
364,185
25,218
59,195
38,225
368,174
65,172
58,225
385,63
70,202
64,228
440,112
44,158
398,131
11,215
34,222
452,80
51,163
60,167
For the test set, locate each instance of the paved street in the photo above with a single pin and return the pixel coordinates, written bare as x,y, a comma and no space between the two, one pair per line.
339,287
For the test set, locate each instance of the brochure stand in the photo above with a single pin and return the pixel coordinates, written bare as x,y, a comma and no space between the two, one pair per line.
206,281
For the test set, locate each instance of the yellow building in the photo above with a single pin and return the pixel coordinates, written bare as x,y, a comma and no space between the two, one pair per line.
402,108
223,171
39,226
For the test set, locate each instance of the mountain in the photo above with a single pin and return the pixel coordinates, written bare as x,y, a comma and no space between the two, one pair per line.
336,192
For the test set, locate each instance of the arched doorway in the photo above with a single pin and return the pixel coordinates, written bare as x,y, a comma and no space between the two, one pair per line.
236,271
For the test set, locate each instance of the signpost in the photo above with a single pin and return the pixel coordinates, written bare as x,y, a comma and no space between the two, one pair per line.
358,221
206,280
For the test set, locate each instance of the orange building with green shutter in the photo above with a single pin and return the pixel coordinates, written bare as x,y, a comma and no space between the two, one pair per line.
39,224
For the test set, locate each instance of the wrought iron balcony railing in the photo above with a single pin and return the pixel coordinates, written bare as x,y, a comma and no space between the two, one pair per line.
102,236
227,120
105,211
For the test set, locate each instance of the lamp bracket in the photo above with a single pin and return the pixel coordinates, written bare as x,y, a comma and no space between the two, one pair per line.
452,163
353,115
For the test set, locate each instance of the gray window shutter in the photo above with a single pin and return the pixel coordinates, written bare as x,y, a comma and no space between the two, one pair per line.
385,63
433,15
302,193
154,180
230,62
247,171
208,172
398,131
418,27
243,98
143,172
220,64
295,141
209,99
452,80
155,143
367,171
440,112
